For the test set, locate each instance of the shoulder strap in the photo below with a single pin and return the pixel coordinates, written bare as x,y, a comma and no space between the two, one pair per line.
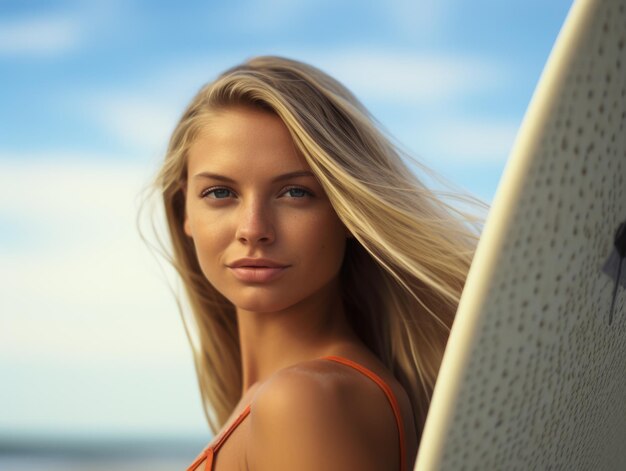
210,451
231,429
207,457
390,396
208,454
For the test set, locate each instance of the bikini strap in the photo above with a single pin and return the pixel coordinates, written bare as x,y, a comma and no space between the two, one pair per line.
390,396
231,429
208,454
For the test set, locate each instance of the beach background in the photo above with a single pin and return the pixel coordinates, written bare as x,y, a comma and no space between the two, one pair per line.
95,369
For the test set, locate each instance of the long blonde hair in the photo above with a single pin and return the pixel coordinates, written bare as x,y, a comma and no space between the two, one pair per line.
403,271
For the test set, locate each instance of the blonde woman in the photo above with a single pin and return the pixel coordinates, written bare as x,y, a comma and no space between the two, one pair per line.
322,276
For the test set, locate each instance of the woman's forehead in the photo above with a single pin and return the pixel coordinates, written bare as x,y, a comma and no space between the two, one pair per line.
245,140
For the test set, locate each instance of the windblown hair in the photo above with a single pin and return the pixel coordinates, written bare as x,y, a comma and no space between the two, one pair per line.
403,271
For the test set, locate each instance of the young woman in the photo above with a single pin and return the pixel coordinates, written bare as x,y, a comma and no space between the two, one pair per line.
323,277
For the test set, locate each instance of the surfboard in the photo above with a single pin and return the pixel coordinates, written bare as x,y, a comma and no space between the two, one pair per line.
534,373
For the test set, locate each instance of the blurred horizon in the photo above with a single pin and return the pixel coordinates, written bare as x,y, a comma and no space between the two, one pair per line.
91,342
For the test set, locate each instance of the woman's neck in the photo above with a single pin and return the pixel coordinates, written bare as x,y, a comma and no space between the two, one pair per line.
311,329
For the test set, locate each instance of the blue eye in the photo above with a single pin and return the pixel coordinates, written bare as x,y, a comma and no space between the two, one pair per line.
296,192
221,193
218,193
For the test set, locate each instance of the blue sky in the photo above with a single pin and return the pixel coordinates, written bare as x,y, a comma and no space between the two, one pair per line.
89,334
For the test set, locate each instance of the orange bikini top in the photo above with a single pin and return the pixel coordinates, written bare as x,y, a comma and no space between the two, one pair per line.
209,453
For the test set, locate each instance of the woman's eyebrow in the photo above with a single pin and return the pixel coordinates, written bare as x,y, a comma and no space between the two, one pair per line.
285,176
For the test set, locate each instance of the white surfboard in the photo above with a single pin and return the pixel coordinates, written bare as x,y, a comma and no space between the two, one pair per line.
534,374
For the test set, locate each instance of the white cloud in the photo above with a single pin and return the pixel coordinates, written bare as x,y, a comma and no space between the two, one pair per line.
412,18
474,141
138,122
54,32
85,314
266,16
39,35
83,287
416,18
409,78
142,115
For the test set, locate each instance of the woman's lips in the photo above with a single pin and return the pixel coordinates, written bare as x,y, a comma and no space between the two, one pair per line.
257,274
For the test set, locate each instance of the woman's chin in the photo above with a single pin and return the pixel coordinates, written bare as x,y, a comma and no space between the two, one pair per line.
260,306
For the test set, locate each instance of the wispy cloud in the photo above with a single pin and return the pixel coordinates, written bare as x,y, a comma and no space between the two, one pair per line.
409,78
413,18
84,283
141,115
84,308
138,122
465,141
45,35
266,16
409,17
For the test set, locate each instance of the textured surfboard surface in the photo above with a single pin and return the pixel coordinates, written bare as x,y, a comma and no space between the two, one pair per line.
534,374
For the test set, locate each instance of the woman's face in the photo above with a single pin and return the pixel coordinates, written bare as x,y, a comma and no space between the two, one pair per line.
265,234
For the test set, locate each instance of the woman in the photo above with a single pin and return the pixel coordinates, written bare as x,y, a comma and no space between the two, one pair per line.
323,277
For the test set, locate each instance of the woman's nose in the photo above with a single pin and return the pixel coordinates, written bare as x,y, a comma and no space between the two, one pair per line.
255,224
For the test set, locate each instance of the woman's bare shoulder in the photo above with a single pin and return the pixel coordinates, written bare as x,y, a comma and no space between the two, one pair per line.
319,415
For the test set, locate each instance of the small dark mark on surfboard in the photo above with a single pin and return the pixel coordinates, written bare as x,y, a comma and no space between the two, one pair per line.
613,265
